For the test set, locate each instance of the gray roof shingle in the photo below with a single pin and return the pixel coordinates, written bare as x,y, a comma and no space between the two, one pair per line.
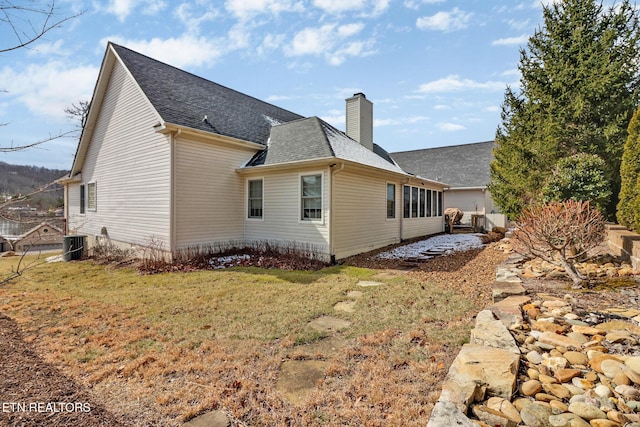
185,99
463,166
313,138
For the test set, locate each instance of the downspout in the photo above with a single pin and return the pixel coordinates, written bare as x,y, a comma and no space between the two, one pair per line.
332,252
173,192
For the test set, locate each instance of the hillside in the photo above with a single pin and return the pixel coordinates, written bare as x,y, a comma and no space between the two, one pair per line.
21,180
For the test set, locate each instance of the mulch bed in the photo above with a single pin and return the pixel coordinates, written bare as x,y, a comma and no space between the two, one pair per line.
35,393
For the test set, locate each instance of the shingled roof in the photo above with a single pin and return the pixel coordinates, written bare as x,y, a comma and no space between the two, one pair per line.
313,138
185,99
462,166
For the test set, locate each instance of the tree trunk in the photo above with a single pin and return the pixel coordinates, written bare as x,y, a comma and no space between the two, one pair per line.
575,276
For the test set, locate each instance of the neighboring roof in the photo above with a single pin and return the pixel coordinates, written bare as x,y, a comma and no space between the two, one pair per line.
461,166
312,138
185,99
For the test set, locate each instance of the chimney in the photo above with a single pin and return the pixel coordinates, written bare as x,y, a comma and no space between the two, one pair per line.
359,119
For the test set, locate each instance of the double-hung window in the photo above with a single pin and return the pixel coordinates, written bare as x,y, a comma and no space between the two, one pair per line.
391,201
255,199
92,196
82,198
311,197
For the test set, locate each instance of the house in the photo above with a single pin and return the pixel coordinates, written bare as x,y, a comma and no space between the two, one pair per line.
466,169
169,159
43,236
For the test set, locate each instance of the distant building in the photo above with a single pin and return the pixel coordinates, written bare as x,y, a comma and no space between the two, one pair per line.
41,237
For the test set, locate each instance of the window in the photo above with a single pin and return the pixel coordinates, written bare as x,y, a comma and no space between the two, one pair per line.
406,201
422,202
414,202
312,197
82,202
391,200
429,212
435,203
439,203
91,196
255,199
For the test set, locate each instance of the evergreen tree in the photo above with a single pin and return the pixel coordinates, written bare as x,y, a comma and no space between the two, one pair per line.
580,177
629,206
579,89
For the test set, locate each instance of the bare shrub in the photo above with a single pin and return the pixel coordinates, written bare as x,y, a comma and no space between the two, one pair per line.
264,254
561,233
106,252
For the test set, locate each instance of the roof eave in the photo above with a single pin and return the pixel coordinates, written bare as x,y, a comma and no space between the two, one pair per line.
167,128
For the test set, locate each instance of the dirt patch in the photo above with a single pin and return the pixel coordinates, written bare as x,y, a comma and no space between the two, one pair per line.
35,393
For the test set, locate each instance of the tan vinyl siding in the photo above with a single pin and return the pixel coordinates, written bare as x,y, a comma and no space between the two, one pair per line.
209,193
281,222
130,164
360,214
469,201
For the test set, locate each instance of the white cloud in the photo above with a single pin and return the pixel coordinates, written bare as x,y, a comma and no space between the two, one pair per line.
415,4
456,19
270,42
47,89
366,7
399,121
246,9
330,41
492,109
123,8
454,83
450,127
193,15
518,25
185,51
510,41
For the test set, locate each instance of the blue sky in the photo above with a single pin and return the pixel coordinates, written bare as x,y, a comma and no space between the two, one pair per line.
436,70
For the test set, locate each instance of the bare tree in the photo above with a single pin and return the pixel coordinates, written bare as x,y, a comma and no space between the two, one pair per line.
561,233
24,23
28,21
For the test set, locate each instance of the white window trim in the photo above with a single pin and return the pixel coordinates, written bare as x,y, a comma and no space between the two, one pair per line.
95,196
246,199
395,201
323,183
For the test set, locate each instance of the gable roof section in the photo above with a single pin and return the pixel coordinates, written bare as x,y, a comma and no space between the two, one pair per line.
185,99
461,166
313,138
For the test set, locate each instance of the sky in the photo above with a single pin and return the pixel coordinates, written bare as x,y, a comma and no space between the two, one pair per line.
435,70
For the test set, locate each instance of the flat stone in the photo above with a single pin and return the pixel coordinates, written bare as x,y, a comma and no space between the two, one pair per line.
479,367
505,407
595,362
610,368
619,325
576,358
368,283
531,387
586,411
508,309
536,415
507,274
329,324
447,414
491,332
559,340
210,419
555,363
604,423
587,330
502,290
567,420
565,375
492,417
628,392
298,378
633,363
557,390
346,306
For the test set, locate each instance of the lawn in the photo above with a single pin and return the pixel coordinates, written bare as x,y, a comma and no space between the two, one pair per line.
164,348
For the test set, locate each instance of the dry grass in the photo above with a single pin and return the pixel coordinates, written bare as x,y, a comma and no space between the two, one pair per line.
164,348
